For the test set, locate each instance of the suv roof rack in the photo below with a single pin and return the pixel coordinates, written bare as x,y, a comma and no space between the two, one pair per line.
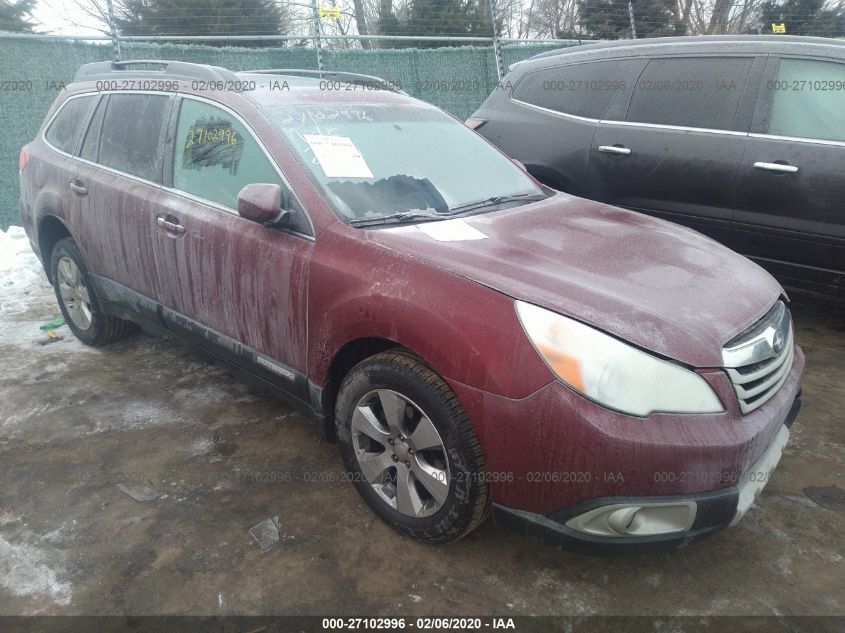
686,39
167,68
334,74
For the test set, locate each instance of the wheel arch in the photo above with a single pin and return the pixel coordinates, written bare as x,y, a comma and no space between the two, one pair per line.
344,359
50,230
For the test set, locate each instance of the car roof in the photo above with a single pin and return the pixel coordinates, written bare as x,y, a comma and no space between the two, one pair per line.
703,44
272,86
312,90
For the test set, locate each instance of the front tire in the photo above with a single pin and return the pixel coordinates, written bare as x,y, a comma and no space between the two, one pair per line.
410,448
77,302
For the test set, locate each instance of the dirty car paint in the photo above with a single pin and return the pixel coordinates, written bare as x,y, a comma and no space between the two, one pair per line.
655,284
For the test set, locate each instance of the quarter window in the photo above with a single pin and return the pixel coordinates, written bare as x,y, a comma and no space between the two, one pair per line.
699,92
808,100
91,144
65,128
216,156
130,139
581,89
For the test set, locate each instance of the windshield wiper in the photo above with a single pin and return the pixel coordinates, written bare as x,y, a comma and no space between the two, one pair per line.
416,216
495,200
395,218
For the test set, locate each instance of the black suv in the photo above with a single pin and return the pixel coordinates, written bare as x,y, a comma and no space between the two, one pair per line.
739,137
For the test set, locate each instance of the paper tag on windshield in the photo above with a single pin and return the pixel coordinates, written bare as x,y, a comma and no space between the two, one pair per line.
456,230
338,156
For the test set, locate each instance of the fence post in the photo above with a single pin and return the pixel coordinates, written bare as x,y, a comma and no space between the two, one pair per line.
497,46
631,16
317,43
115,42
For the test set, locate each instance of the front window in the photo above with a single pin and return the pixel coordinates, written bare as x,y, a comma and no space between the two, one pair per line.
382,162
215,155
807,100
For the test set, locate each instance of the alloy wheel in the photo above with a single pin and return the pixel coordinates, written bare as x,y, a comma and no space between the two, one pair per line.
400,453
74,293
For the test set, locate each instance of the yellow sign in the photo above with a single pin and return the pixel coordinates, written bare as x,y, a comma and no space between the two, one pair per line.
330,12
779,28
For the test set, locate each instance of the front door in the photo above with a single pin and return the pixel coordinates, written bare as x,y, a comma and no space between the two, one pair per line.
229,283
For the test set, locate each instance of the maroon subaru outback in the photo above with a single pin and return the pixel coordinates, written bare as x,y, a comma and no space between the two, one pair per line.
468,337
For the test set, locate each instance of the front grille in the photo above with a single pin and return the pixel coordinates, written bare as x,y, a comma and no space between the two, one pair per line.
758,360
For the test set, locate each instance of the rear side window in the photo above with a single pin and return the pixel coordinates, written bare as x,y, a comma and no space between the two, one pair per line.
131,134
700,92
808,100
581,89
216,156
65,128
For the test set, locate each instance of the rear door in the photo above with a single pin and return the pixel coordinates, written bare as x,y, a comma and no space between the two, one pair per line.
62,135
553,115
119,182
230,276
792,178
675,149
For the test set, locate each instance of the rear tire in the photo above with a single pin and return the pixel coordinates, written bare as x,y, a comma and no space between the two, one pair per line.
410,448
77,302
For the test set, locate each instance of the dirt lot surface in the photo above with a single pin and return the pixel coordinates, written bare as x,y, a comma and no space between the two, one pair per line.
77,424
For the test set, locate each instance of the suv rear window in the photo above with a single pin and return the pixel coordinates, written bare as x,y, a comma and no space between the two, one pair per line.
131,134
581,89
700,92
65,128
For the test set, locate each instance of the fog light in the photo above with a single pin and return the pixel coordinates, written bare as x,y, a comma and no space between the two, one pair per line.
636,519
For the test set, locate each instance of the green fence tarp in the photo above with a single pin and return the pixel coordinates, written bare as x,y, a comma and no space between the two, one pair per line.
33,71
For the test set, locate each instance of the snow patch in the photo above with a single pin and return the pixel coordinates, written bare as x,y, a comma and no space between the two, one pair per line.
25,572
21,275
26,302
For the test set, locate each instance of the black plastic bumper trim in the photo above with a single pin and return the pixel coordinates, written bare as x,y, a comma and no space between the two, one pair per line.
715,510
793,411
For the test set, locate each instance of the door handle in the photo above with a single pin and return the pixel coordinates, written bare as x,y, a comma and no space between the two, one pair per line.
170,227
77,188
781,168
614,149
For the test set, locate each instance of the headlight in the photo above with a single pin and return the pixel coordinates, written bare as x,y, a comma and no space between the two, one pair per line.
612,373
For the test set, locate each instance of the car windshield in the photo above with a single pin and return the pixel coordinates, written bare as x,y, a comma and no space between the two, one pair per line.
386,163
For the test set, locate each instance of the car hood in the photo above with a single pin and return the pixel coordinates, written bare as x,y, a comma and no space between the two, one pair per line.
658,285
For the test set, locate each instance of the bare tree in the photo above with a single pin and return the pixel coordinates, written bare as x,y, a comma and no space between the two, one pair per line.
97,13
361,21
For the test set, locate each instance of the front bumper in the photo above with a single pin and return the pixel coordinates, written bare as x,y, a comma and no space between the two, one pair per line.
574,528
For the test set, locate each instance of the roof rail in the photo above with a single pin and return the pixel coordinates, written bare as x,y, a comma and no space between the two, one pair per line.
333,74
167,68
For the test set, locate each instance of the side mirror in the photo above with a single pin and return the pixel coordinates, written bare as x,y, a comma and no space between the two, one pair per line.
519,164
262,203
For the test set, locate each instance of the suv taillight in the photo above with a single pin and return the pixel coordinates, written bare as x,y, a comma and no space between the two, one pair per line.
474,124
23,159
